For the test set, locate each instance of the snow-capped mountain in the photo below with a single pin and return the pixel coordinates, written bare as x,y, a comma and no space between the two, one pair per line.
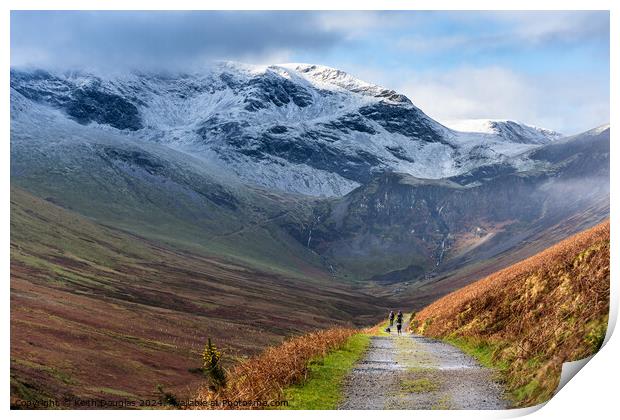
298,128
176,156
512,131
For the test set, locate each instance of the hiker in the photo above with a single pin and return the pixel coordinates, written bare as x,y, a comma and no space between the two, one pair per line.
399,317
391,318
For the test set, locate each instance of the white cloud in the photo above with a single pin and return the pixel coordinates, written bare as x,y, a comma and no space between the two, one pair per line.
468,92
356,24
161,39
424,44
557,102
512,30
567,26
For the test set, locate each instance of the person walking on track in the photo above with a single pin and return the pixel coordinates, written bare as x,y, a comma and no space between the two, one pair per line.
399,322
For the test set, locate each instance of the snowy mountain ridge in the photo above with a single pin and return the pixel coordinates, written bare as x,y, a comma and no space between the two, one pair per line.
514,131
299,128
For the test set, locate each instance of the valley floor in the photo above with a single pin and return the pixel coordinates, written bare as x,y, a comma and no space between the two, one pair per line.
419,373
100,313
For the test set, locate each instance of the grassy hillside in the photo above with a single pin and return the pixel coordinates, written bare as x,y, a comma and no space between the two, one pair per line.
533,316
98,312
163,195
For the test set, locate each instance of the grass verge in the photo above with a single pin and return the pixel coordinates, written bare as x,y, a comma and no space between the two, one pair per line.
480,350
323,388
266,376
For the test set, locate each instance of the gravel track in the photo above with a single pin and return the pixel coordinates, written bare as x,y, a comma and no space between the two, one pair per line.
414,372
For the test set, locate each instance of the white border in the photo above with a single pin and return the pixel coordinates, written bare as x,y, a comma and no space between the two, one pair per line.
591,395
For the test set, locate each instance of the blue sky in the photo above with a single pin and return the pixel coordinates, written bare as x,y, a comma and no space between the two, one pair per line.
545,68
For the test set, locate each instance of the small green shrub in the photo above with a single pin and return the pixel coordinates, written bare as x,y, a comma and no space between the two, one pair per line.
212,367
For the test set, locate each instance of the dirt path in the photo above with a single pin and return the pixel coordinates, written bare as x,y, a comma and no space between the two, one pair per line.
414,372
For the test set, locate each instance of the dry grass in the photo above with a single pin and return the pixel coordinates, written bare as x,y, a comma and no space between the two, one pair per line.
532,316
264,377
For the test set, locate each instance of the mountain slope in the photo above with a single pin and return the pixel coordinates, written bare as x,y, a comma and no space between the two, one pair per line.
534,315
393,228
511,131
398,227
152,190
99,313
296,127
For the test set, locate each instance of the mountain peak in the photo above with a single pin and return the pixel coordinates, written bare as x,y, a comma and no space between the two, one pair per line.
514,131
302,128
330,78
598,130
